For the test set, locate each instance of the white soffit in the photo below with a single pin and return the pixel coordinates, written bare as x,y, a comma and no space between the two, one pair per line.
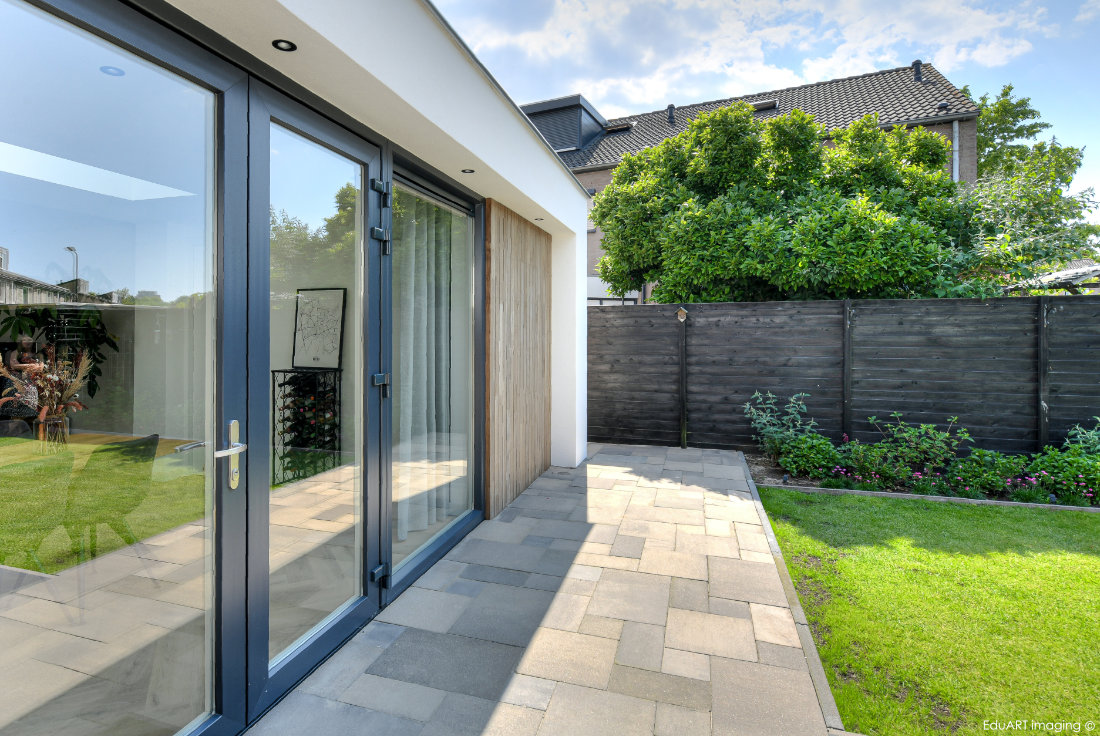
394,67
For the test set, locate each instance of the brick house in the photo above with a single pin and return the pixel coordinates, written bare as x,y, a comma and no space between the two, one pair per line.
915,95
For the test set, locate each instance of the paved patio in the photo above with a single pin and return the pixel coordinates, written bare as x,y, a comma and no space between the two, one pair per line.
636,594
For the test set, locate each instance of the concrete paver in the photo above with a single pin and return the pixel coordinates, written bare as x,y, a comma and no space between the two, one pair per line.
636,594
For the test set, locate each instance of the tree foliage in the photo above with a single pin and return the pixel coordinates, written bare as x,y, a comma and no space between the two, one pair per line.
740,209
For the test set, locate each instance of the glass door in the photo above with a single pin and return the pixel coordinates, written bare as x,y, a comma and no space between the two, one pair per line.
314,411
115,323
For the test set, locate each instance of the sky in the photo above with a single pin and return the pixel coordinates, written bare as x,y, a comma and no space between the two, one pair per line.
631,56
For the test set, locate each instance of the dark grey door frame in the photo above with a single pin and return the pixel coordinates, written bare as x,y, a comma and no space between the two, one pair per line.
266,105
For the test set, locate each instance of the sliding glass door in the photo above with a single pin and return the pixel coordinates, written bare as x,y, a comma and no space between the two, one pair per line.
433,376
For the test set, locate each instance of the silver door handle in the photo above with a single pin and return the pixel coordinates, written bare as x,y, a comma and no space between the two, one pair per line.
190,446
236,447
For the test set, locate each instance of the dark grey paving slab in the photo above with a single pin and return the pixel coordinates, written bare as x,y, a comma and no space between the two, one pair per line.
752,699
448,662
488,574
498,554
504,613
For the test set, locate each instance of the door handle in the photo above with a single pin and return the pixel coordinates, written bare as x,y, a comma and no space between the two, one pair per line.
233,452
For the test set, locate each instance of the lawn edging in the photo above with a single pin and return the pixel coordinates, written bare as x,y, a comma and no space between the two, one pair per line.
825,698
937,499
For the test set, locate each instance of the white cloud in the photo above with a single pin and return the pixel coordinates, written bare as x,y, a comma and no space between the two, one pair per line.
636,55
1089,11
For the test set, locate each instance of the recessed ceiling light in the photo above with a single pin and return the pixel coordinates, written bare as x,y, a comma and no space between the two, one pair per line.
112,71
283,45
467,171
538,219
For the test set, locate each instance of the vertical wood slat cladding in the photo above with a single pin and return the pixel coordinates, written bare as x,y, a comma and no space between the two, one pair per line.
517,355
979,360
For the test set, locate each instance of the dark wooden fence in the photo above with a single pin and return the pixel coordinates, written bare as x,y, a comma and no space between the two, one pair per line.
1018,372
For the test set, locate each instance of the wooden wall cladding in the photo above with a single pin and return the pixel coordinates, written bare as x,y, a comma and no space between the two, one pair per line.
517,355
1017,372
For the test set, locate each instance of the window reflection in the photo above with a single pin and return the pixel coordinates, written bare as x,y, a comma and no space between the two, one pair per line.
106,344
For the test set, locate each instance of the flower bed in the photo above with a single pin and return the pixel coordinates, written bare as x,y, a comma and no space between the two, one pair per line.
925,459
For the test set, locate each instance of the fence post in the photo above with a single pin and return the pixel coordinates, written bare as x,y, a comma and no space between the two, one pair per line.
681,329
1042,412
846,409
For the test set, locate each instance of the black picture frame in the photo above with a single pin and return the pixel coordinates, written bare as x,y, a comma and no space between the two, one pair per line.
320,322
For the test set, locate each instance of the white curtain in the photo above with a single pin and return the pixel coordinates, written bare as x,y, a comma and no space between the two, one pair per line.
431,372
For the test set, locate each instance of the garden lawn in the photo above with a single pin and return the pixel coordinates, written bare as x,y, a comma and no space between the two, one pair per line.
932,618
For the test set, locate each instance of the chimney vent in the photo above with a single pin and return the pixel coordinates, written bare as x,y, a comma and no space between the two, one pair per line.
916,71
671,109
943,106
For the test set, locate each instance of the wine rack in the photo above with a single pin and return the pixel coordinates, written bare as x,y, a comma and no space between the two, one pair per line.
305,426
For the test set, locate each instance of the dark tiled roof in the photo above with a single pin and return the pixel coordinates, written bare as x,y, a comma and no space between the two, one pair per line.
892,93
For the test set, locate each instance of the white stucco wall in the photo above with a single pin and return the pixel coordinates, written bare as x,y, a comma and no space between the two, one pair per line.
395,66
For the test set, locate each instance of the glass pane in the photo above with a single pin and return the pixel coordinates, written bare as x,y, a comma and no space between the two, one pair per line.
432,370
107,342
316,349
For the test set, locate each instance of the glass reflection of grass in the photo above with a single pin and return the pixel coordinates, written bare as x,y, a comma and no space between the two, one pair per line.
167,505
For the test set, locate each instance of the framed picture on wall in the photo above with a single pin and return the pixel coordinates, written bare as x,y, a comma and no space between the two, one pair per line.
319,328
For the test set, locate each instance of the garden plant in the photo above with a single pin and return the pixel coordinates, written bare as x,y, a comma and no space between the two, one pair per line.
926,459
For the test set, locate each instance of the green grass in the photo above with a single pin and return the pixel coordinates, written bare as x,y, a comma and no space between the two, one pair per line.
165,505
934,617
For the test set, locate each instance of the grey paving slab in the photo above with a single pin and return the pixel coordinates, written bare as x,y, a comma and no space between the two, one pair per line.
660,687
707,633
672,720
487,574
634,595
398,698
631,596
302,713
569,657
791,658
462,715
752,699
641,645
530,692
449,662
581,710
689,594
420,608
753,582
505,614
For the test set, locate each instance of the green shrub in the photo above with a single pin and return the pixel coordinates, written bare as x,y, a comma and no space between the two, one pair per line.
775,429
1070,474
984,472
875,466
810,455
1025,492
1087,439
920,447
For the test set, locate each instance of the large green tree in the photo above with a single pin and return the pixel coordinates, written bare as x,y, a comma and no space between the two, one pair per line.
1027,218
739,209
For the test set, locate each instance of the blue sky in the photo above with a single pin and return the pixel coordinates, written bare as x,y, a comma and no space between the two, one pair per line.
629,56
